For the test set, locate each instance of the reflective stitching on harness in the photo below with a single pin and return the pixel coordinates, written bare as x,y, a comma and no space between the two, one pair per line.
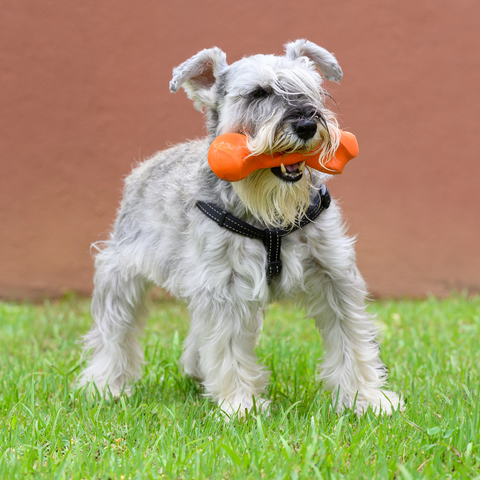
216,221
230,219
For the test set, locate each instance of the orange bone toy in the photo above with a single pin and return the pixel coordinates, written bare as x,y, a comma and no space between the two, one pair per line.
228,157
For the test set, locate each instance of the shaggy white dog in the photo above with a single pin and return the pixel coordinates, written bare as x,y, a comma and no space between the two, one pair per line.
161,237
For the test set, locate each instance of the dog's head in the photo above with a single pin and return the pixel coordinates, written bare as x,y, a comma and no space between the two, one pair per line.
279,104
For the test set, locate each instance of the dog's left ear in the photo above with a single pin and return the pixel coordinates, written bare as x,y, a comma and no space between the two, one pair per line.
198,74
323,59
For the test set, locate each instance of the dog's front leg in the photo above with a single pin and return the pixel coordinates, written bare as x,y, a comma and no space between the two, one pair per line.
351,366
117,309
220,352
335,298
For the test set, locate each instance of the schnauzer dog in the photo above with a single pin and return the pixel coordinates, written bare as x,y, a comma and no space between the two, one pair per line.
161,236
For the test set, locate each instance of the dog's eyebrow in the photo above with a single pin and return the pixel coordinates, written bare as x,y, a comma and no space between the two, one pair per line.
259,91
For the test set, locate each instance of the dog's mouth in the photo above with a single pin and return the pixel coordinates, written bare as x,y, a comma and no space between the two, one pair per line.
289,173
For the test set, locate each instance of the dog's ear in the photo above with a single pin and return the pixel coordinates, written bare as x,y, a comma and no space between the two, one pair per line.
323,59
198,74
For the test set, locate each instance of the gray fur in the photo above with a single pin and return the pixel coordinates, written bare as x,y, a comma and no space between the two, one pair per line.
160,237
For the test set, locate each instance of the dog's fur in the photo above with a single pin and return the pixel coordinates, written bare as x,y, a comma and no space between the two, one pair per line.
161,237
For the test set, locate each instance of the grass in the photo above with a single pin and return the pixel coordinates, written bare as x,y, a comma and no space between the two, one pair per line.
168,430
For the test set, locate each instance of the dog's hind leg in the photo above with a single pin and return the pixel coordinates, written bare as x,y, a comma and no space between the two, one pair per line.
220,351
117,309
335,298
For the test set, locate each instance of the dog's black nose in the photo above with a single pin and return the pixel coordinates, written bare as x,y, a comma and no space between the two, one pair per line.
306,129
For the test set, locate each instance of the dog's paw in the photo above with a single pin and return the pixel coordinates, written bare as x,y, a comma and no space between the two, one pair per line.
382,402
101,389
241,408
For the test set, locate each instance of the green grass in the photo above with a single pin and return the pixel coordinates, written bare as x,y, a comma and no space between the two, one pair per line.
168,430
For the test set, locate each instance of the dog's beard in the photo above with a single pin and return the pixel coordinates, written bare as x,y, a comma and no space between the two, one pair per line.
272,201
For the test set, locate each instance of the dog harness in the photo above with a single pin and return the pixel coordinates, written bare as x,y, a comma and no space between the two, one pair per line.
271,237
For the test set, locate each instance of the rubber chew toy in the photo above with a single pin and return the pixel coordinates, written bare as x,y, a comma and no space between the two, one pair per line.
228,157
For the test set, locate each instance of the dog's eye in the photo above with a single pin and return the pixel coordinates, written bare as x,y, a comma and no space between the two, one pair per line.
260,92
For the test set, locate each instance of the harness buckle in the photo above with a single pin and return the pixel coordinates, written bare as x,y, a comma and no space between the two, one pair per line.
222,218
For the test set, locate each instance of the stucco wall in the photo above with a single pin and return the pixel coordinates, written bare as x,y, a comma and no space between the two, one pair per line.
84,95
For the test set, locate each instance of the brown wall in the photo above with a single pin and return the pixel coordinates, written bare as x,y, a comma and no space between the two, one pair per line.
84,94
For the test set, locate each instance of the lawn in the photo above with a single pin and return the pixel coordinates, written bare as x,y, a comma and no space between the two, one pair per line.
168,430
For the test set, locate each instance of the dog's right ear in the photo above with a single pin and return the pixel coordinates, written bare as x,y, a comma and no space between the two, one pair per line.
323,59
198,75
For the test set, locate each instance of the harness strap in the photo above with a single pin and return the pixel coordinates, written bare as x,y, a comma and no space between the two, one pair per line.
271,237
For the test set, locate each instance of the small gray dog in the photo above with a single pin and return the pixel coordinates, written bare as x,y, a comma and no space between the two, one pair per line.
162,237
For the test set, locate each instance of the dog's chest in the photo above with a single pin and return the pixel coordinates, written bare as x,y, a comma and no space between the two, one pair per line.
248,259
296,257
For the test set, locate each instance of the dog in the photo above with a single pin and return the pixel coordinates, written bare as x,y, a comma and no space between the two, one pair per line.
162,237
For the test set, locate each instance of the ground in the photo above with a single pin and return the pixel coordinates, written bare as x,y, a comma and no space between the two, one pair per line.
168,430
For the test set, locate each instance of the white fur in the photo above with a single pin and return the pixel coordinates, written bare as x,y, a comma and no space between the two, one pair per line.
161,237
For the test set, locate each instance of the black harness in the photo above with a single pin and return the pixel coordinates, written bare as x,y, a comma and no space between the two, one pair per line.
271,237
